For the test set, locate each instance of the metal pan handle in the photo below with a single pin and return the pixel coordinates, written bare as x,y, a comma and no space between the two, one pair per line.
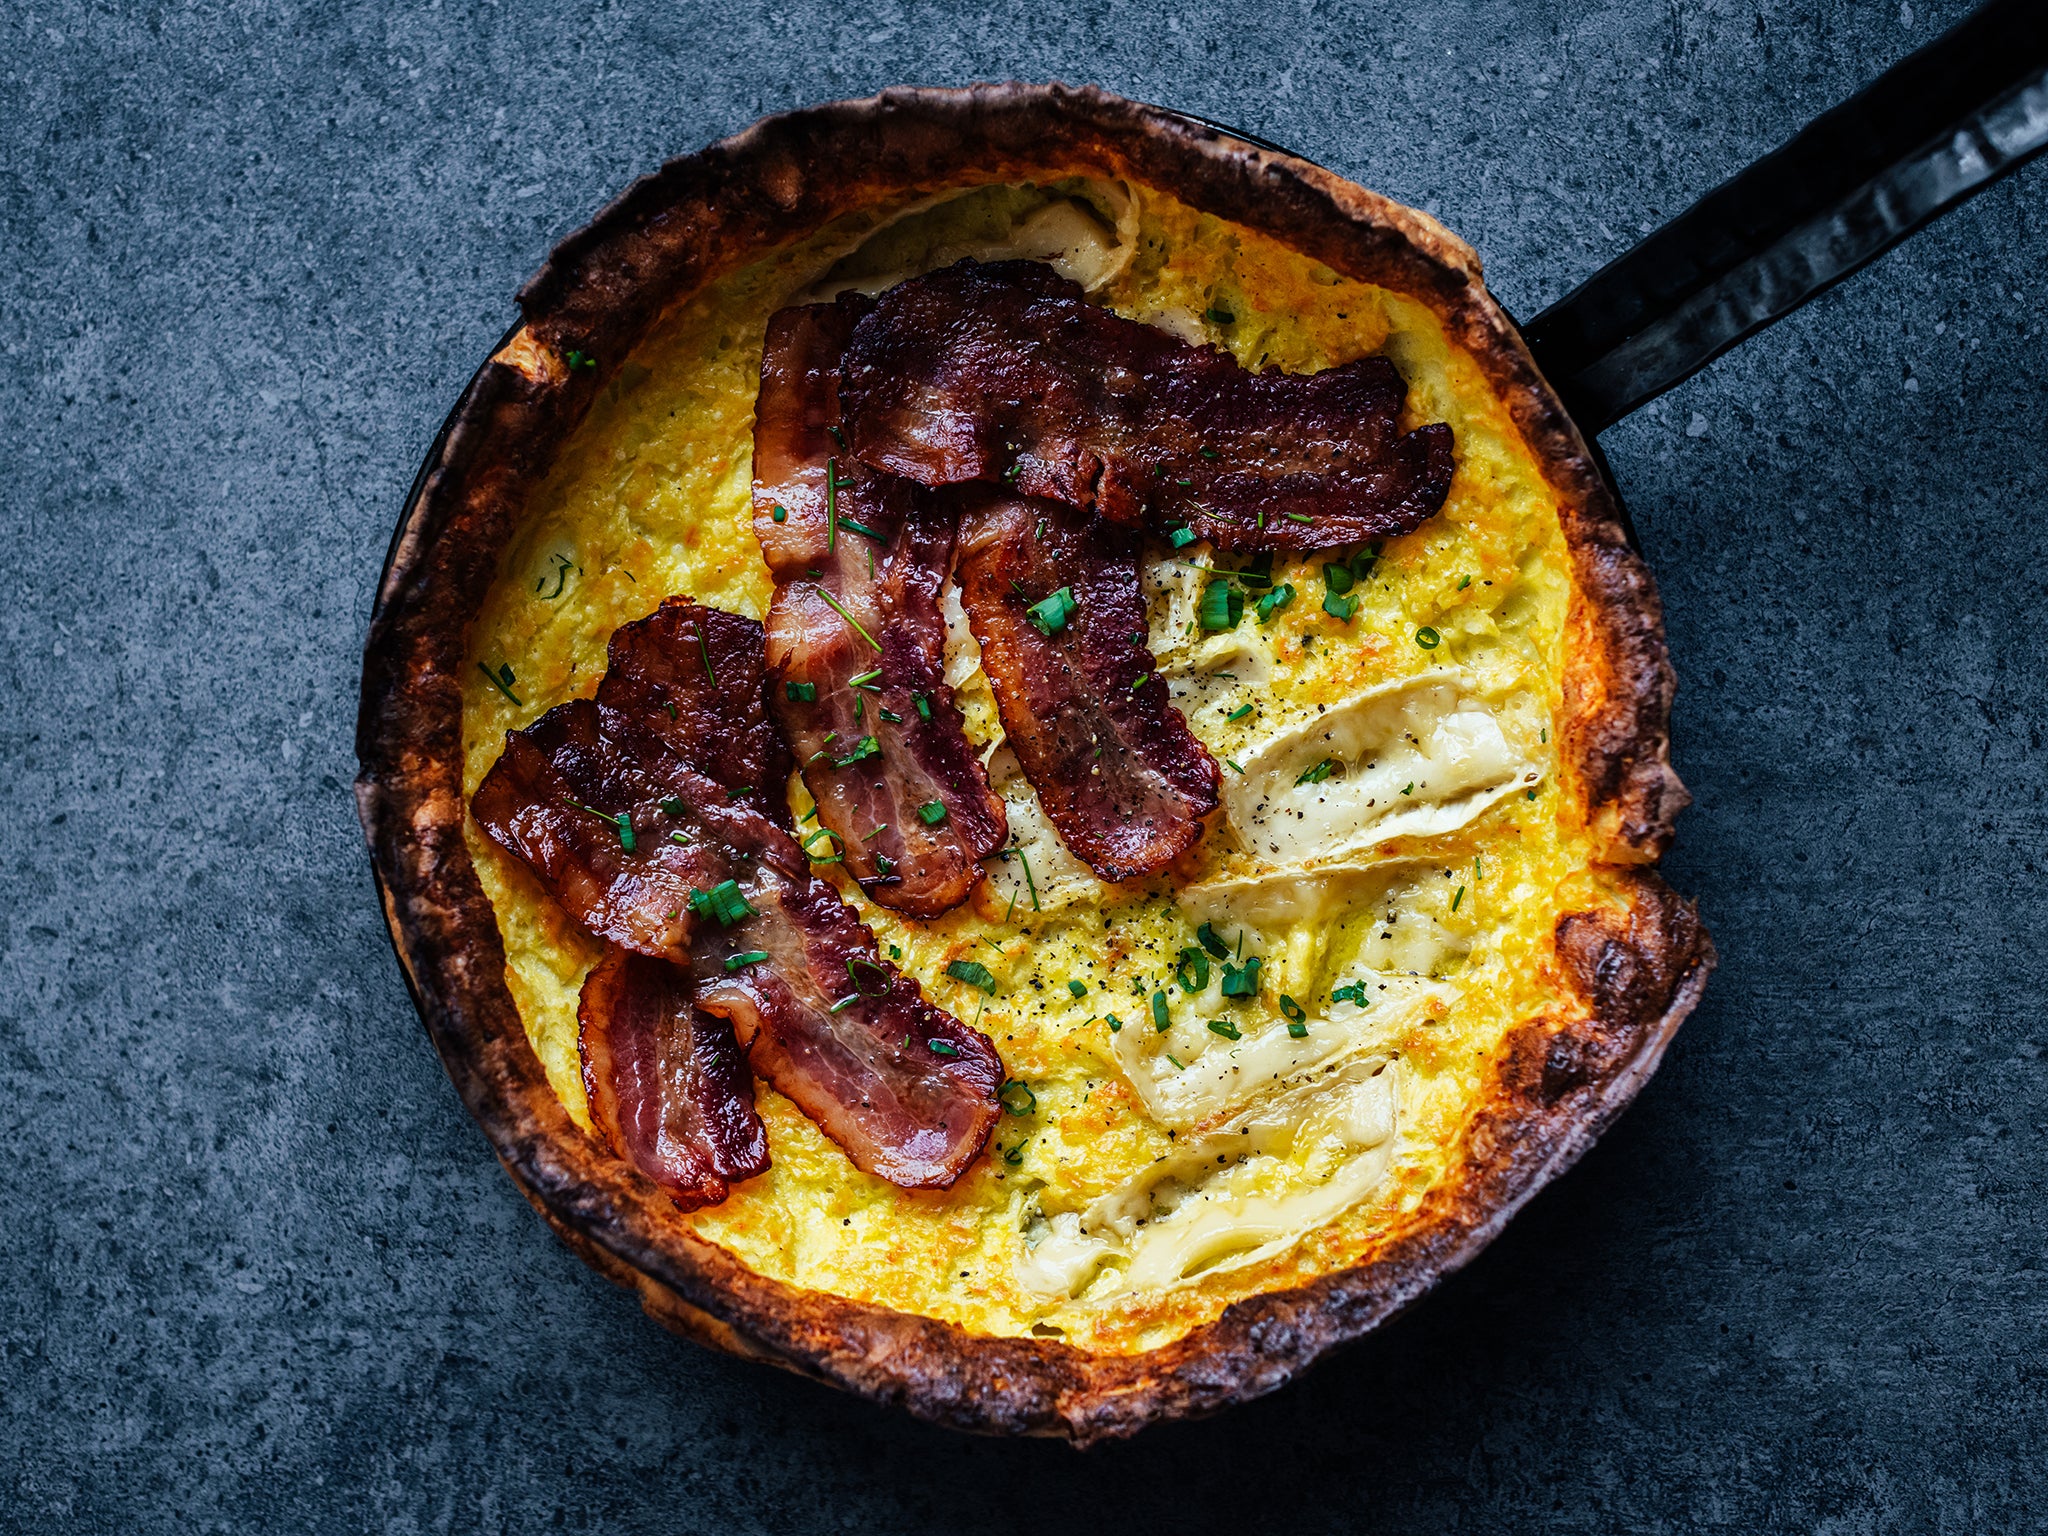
1926,135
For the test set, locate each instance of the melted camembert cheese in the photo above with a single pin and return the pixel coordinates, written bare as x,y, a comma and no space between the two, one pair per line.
1388,865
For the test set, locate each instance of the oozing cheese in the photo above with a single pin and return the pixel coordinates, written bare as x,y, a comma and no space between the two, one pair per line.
1101,1214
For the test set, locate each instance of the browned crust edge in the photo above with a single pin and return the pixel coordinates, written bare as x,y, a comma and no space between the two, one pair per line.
1638,967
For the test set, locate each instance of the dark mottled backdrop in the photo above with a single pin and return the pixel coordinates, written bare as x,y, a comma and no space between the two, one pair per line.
260,1272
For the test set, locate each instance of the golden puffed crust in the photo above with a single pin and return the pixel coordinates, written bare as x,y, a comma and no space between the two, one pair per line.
1637,966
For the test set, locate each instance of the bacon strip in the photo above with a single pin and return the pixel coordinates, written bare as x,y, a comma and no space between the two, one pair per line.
857,568
669,1091
865,1069
1115,766
1005,372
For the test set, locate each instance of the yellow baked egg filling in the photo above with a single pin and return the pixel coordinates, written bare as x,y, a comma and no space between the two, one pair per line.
1225,1081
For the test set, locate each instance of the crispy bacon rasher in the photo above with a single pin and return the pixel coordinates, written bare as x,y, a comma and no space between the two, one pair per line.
1004,372
669,1091
634,809
1053,596
856,640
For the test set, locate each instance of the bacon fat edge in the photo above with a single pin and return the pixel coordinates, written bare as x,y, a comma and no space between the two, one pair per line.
856,641
1004,372
1115,767
903,1087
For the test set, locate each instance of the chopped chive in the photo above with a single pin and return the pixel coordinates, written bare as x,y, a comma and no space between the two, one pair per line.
1116,1025
849,619
581,360
1544,735
931,813
974,973
1222,606
1139,681
1235,765
868,837
1015,1155
838,437
1238,713
677,837
1528,794
889,715
1408,789
1465,583
1294,1012
1242,980
884,864
1078,988
832,506
1297,1029
1209,453
723,901
1219,316
1340,607
1030,884
704,646
863,528
1428,638
1457,898
924,706
1337,578
1354,993
673,806
895,951
1212,941
1159,1016
1176,1061
751,957
942,1048
502,680
780,514
1225,1028
1191,970
865,680
800,693
1181,538
1017,1098
863,749
845,1002
1319,772
1274,601
1050,616
1300,517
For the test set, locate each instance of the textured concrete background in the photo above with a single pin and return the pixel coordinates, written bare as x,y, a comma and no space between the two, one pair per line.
259,1271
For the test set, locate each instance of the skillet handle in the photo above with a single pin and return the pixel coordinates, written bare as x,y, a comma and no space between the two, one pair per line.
1930,132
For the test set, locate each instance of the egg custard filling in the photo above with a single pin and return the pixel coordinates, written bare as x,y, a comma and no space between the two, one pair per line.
1224,1080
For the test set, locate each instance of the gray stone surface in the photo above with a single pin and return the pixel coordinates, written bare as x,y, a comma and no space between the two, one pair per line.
260,1272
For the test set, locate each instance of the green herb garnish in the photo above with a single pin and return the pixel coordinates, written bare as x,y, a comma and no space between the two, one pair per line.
502,680
1225,1028
1017,1098
1242,980
1191,970
856,623
751,957
1212,941
1274,601
1428,638
1160,1019
1050,616
974,973
800,693
1078,988
1344,608
1319,772
942,1048
1293,1011
1238,713
924,706
723,901
931,813
1222,606
1181,538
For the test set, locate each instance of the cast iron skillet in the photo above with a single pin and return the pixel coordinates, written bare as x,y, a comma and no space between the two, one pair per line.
1924,137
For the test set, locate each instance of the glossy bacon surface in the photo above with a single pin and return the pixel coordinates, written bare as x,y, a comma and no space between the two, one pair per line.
1114,764
1004,372
866,1069
857,568
669,1091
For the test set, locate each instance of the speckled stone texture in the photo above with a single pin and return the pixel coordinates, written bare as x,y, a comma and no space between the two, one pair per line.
260,1272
